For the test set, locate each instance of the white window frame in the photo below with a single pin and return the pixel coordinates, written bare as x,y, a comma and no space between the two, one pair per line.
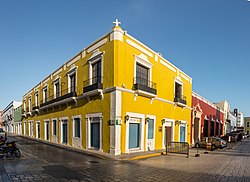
24,105
36,98
142,127
93,61
31,128
24,128
45,132
59,83
73,119
179,81
142,60
71,72
45,88
62,121
38,123
52,122
167,122
89,121
30,103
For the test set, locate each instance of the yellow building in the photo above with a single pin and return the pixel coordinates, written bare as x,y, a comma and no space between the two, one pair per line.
117,96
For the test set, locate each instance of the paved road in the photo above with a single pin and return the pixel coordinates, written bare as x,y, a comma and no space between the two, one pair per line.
41,162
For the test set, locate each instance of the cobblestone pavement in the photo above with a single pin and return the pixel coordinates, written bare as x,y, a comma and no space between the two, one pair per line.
41,162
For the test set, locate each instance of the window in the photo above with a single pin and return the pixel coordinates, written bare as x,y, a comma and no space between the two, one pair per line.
97,72
72,84
247,124
178,90
54,125
142,75
77,127
24,105
29,103
57,89
36,99
45,94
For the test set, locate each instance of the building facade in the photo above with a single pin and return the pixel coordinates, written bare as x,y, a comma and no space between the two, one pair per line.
247,125
231,122
225,107
207,119
1,119
117,96
8,116
18,120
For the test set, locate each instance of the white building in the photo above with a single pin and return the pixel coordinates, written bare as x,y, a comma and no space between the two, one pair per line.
8,116
225,107
232,122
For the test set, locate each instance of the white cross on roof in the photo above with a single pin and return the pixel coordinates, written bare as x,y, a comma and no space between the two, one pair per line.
116,22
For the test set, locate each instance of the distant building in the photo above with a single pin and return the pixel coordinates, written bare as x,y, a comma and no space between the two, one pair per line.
247,125
8,116
1,121
240,118
225,107
207,119
18,120
231,121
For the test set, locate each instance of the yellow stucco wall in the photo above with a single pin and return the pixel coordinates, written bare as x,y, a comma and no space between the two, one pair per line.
118,73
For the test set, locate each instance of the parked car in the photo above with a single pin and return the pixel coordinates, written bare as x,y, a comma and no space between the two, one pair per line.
215,142
2,134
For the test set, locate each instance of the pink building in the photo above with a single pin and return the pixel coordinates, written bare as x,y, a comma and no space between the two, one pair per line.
207,119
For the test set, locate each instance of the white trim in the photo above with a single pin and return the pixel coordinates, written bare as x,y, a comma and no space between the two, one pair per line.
57,80
168,122
142,60
45,81
77,141
38,123
117,34
57,72
142,125
135,45
98,57
46,122
64,120
73,60
72,71
98,44
154,118
88,120
168,65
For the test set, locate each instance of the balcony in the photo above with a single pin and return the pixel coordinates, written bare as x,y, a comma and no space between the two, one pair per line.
24,113
145,87
35,108
28,111
59,98
93,87
180,100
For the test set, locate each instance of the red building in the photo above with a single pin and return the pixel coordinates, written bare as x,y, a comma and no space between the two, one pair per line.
207,119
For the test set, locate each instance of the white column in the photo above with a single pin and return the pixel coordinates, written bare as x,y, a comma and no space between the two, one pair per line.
115,118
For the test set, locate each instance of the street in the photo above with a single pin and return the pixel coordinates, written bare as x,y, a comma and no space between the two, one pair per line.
41,162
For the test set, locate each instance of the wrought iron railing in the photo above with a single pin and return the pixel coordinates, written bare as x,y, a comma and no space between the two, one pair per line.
92,84
144,82
58,96
180,98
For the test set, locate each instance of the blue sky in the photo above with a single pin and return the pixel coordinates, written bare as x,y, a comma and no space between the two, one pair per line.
207,39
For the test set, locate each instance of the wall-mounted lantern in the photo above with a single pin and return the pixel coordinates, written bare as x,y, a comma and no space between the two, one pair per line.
163,121
177,122
126,118
147,120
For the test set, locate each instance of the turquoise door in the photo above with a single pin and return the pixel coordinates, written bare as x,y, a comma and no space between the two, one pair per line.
134,135
95,135
182,134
